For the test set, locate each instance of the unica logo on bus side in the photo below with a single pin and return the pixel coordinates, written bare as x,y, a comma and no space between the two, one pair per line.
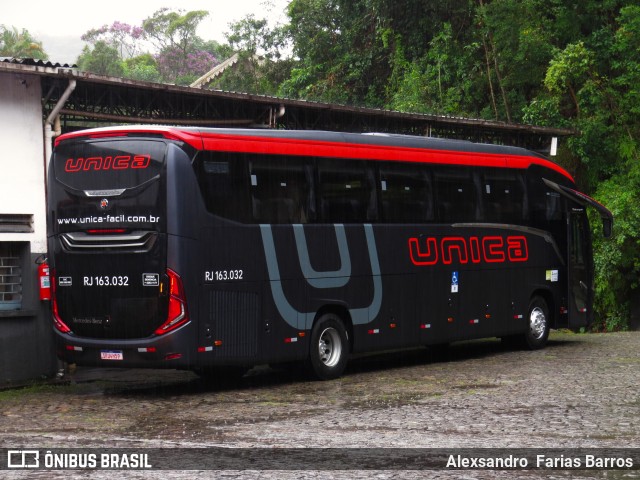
425,250
121,162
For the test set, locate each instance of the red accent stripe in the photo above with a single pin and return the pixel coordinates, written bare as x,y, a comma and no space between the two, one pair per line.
317,148
171,133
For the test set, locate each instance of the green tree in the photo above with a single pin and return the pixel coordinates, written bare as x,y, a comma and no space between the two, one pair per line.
143,67
174,35
103,59
593,82
259,69
20,44
167,28
618,109
339,50
617,260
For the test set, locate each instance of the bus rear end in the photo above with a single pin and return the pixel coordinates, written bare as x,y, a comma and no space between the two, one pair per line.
115,300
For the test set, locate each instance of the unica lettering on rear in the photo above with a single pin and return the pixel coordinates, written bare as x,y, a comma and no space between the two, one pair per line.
121,162
425,251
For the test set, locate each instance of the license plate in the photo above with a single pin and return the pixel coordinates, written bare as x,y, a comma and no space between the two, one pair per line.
111,355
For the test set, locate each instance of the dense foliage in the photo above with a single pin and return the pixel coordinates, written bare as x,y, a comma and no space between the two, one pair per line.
559,63
20,44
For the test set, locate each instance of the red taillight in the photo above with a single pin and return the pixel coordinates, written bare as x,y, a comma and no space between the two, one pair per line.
177,314
57,321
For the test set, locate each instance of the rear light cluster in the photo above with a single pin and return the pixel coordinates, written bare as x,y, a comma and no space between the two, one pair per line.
177,314
57,321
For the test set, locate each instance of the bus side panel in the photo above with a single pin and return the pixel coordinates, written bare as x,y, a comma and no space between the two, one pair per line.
229,281
246,318
484,294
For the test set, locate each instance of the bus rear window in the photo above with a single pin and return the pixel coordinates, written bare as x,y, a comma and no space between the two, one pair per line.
108,164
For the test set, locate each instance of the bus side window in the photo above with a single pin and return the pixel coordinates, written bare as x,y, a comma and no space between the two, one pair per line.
223,184
456,195
553,210
281,189
504,198
405,194
546,207
346,191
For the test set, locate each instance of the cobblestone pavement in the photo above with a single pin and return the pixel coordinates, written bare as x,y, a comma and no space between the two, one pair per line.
582,391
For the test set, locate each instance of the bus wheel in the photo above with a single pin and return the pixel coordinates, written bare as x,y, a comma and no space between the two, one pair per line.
538,323
329,348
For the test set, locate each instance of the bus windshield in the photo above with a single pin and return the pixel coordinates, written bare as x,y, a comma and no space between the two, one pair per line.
108,183
121,164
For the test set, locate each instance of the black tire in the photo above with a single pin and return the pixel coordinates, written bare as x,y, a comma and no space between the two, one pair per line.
538,324
329,348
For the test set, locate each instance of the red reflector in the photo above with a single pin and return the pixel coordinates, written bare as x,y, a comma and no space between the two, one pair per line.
173,356
69,347
202,349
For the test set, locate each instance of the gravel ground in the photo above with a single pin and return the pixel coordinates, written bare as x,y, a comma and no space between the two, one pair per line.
582,391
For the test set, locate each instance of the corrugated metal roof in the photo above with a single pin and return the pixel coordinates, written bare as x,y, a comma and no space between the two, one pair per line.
228,106
36,63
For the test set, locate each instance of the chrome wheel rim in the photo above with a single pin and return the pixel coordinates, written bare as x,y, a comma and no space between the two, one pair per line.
537,323
329,347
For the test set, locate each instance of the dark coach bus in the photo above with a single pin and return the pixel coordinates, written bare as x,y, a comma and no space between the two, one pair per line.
216,250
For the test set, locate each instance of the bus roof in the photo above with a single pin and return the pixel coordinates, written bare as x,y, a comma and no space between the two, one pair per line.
371,146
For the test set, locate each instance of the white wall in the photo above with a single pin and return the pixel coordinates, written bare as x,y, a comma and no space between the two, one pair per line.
22,184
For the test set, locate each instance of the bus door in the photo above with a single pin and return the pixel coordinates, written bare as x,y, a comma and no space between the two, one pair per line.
580,259
580,269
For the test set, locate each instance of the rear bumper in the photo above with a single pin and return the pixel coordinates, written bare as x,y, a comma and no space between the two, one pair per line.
173,350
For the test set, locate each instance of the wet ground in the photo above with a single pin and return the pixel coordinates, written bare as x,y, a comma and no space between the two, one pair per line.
582,391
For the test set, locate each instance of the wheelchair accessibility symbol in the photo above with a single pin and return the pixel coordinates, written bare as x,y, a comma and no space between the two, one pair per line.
454,282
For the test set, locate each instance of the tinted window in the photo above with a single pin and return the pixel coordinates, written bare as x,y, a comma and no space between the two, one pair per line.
545,205
346,191
224,184
281,190
108,164
405,194
456,195
504,197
